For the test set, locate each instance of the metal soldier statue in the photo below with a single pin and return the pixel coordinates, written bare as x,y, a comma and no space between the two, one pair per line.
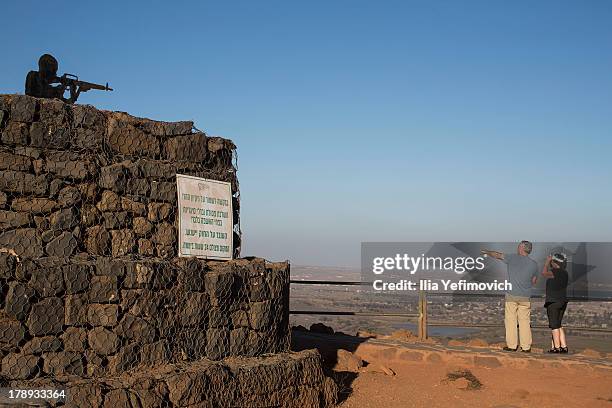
39,83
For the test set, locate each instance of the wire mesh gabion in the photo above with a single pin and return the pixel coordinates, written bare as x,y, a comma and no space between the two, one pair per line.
74,179
93,297
102,316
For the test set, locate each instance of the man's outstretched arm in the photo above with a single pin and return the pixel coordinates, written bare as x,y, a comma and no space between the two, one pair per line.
494,254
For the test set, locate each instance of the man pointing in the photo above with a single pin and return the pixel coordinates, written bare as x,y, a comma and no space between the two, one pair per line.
522,274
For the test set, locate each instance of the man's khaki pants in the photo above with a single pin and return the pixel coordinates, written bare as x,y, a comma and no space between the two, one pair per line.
518,310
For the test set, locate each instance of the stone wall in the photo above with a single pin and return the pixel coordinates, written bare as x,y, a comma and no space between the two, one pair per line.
102,316
74,179
282,380
93,297
90,283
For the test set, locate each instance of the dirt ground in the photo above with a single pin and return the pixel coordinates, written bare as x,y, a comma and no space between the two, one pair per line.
418,384
399,370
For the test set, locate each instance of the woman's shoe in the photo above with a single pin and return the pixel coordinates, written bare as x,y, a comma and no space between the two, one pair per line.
554,350
563,350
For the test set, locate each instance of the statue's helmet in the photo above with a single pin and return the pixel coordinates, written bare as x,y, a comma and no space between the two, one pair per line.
48,64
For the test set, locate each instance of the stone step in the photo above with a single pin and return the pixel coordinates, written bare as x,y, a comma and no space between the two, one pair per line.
395,350
281,380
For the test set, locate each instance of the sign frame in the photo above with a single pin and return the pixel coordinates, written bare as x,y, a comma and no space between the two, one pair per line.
181,235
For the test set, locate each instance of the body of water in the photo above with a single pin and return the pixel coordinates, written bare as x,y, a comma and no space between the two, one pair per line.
440,331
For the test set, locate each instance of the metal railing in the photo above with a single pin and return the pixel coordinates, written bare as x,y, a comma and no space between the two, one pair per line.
421,316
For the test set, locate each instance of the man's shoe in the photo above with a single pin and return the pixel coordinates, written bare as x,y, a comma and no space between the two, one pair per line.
526,351
506,348
563,350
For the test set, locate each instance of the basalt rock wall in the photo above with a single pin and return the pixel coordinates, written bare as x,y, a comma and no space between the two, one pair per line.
90,281
93,297
282,380
75,179
92,317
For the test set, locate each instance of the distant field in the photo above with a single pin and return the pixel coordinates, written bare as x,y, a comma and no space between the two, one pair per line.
476,310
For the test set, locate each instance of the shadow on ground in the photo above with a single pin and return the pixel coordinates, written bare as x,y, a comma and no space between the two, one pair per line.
328,346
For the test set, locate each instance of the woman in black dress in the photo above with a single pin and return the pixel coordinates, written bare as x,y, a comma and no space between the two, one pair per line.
556,299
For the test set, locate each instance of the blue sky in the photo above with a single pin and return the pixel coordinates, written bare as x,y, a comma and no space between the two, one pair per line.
363,121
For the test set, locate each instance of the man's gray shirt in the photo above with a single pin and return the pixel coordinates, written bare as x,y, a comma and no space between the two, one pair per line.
521,269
